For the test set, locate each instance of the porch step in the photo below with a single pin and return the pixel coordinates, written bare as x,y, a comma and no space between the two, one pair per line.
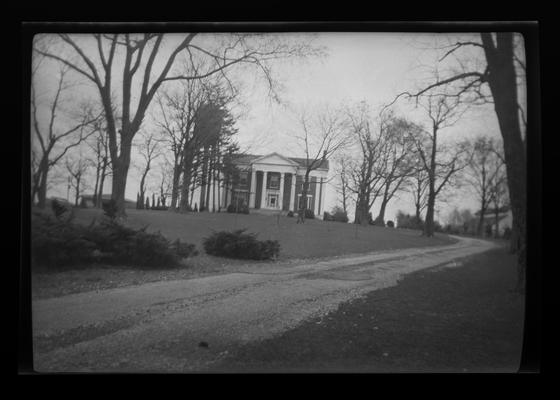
267,212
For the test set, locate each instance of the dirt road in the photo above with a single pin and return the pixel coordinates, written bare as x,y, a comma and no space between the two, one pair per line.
187,325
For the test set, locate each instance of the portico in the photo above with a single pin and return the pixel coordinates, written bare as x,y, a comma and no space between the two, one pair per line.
274,182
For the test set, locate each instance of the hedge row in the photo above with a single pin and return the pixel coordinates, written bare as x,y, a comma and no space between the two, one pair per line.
238,244
58,243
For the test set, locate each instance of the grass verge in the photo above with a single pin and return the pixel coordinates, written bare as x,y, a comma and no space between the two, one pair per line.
437,320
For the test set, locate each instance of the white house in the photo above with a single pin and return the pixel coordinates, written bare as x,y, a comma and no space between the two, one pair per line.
275,182
505,219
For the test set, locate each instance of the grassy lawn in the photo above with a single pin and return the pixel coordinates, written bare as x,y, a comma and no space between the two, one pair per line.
437,320
314,239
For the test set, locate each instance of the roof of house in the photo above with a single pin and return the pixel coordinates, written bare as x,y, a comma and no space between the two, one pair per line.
492,211
249,158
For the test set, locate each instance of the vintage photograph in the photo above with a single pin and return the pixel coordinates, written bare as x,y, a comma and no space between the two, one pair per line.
278,202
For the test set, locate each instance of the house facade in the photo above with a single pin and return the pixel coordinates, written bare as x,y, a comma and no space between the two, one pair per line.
505,220
275,183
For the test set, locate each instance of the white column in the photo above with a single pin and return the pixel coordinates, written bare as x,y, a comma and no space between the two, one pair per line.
281,197
292,191
252,193
323,194
263,193
317,188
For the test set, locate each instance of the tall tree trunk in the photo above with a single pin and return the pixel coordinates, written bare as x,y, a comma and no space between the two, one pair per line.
496,222
429,224
344,205
503,85
219,198
381,216
209,182
480,227
42,189
417,212
97,178
362,209
120,173
214,193
78,179
99,198
184,205
175,186
303,205
203,177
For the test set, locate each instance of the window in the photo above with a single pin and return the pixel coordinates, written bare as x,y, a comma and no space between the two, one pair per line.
243,178
240,198
274,181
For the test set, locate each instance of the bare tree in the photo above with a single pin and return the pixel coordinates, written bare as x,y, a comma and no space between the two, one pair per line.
178,109
53,141
322,135
503,74
482,173
77,170
147,150
439,161
98,66
100,148
418,185
165,184
343,186
366,173
498,188
399,159
386,160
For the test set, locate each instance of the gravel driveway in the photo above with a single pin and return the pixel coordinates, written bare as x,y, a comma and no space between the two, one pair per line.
187,325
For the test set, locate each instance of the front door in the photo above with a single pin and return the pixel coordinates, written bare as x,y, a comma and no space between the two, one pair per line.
272,200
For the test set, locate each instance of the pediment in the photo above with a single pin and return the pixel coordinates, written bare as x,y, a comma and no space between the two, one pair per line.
275,159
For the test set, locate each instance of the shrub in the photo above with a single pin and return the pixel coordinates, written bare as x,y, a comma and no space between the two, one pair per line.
58,244
408,221
243,209
290,214
110,209
327,217
309,214
184,250
59,209
120,244
238,244
339,215
390,224
507,233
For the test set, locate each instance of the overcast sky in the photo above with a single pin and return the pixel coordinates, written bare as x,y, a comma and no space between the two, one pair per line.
371,67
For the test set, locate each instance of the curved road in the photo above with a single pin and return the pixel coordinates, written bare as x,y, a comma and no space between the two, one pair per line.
159,327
